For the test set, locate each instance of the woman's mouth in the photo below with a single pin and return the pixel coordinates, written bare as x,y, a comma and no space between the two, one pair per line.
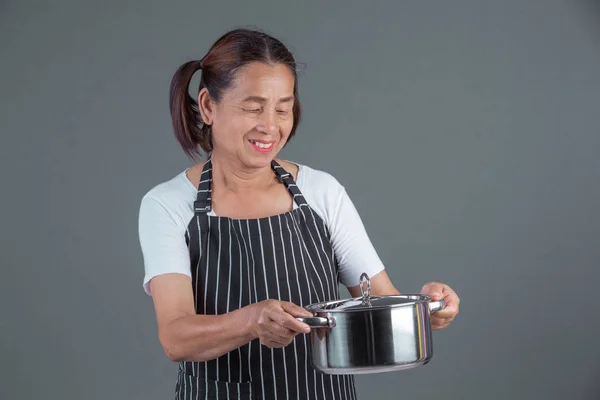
261,146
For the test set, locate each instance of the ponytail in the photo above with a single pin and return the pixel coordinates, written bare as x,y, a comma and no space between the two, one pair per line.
189,129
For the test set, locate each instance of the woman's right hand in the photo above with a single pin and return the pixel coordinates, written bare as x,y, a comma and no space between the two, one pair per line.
274,322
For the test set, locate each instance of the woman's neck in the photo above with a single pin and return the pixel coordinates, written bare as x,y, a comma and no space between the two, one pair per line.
235,177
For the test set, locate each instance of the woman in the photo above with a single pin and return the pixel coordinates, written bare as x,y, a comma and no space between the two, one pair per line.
235,246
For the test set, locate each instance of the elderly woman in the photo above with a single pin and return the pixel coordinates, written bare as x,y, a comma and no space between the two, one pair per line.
235,246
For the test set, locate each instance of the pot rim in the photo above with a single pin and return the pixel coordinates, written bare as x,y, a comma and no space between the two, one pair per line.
413,299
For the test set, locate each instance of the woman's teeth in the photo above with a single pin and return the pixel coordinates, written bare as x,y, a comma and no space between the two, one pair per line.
261,145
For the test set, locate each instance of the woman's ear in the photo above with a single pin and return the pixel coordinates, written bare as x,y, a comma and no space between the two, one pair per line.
206,106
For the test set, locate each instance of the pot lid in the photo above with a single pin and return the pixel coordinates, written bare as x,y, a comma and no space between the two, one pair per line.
373,303
369,302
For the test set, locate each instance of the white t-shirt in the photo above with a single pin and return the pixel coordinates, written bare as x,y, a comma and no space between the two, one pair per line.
167,209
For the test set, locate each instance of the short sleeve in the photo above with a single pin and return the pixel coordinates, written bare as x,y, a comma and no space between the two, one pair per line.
350,241
162,241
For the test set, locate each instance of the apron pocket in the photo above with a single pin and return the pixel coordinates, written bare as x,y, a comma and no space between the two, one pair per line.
191,387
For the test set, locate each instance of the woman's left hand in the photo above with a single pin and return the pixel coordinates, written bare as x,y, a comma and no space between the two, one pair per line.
442,318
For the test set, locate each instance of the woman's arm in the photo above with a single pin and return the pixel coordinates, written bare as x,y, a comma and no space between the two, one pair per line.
186,336
183,335
381,285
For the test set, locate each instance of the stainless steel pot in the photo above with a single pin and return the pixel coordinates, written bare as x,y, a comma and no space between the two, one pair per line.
371,334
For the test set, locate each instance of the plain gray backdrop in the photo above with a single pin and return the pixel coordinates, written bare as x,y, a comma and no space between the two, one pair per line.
466,132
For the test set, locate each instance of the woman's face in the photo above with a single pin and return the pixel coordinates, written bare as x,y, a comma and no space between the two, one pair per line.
254,118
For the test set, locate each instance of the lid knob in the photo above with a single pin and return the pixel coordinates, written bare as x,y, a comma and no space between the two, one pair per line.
365,288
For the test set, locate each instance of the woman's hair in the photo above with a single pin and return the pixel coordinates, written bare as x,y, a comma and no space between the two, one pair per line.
227,55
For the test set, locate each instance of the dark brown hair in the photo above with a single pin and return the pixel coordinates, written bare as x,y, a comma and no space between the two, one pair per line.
227,55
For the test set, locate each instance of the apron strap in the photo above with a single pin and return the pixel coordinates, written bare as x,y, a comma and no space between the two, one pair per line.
286,178
203,198
203,202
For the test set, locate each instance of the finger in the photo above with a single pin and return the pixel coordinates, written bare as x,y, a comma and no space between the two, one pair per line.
290,322
281,331
433,289
440,321
450,309
451,301
271,339
444,313
436,296
294,325
436,317
440,324
271,344
439,327
294,310
275,343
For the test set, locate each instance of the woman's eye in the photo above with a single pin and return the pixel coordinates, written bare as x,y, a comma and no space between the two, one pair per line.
254,110
282,112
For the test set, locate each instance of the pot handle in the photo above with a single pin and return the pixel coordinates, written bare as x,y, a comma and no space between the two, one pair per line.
437,305
318,322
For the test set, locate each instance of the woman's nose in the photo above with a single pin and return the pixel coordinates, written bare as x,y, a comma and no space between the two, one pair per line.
267,122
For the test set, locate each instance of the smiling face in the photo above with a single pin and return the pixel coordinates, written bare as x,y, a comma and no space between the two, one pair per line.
253,120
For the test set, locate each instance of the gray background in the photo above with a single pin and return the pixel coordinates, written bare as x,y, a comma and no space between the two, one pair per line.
466,132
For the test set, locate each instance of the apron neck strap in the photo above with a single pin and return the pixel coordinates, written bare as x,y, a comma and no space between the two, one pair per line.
286,178
203,197
203,203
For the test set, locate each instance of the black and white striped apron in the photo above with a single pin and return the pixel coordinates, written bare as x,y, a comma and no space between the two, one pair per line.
237,262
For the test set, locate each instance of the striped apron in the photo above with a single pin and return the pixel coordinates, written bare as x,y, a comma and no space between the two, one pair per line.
237,262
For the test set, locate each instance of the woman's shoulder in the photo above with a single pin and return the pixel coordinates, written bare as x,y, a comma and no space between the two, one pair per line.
173,188
173,197
321,189
311,177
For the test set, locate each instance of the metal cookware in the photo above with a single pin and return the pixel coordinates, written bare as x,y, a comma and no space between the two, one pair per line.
371,334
